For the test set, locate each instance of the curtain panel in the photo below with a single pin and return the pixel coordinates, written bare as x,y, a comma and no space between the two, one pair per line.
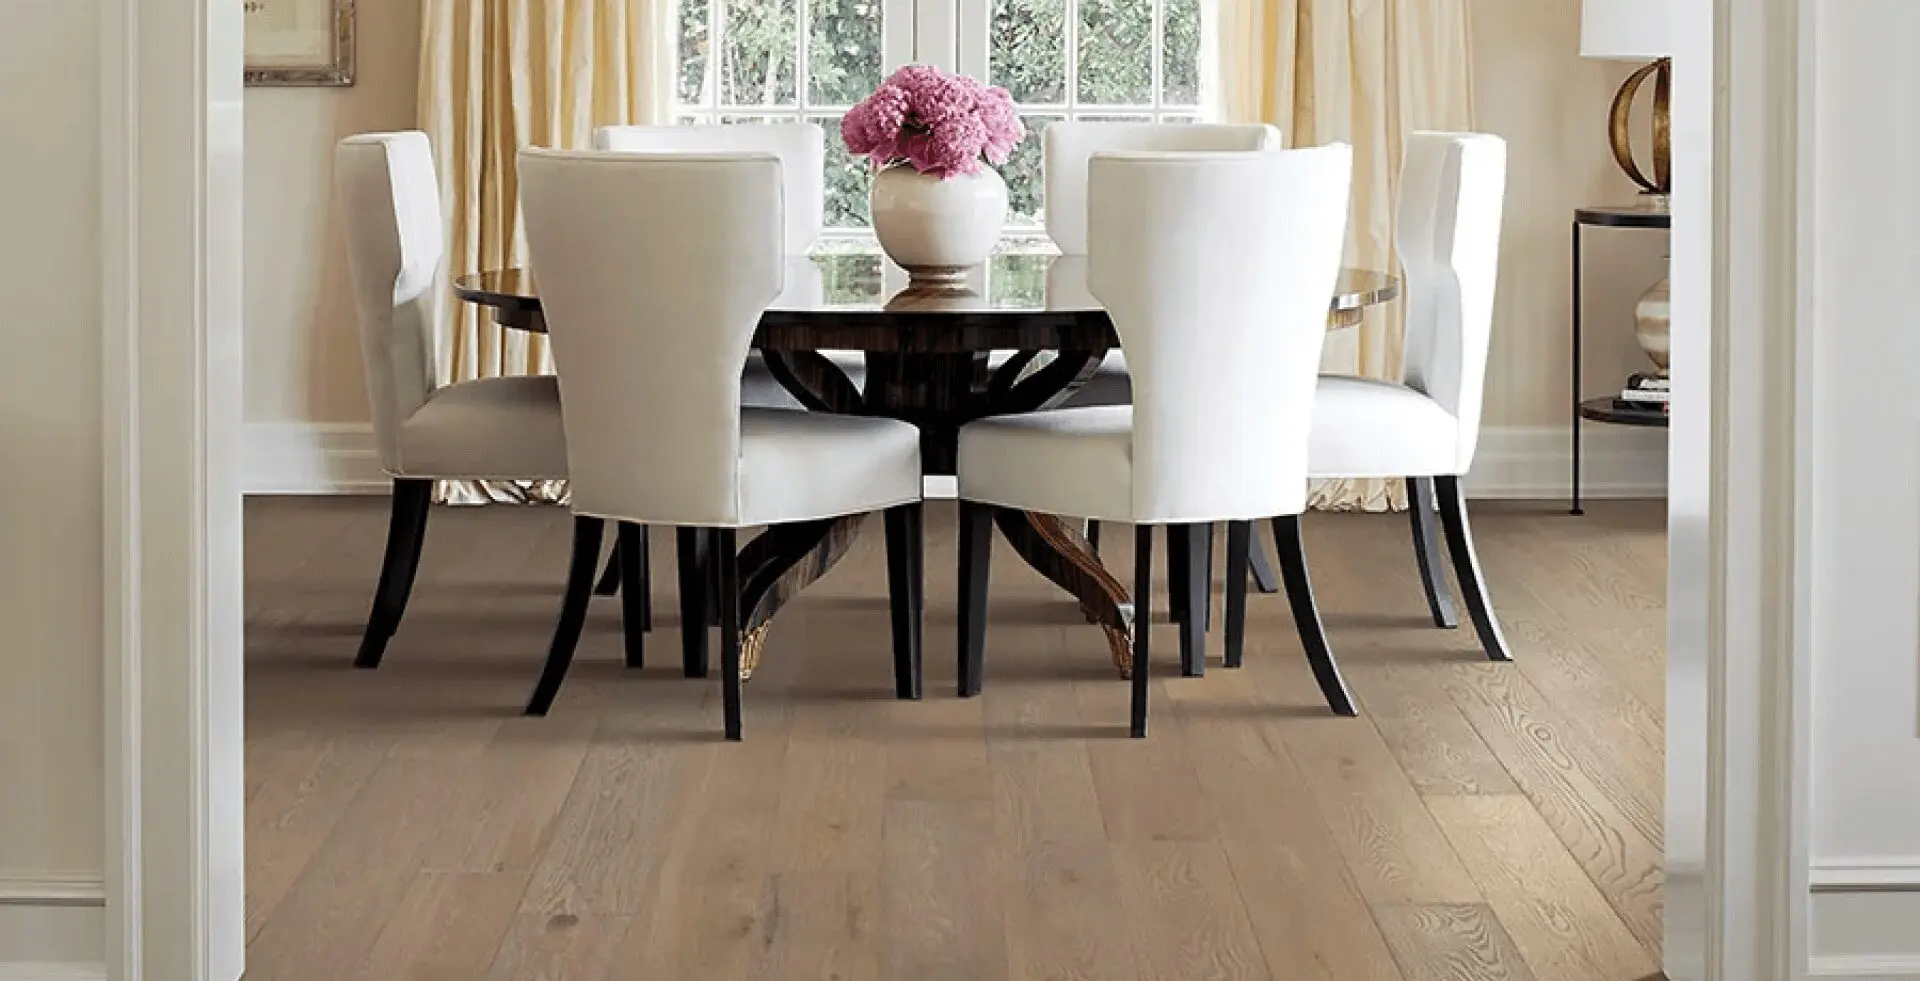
498,75
1365,72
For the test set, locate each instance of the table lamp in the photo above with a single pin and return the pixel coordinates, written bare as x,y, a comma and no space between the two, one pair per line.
1635,30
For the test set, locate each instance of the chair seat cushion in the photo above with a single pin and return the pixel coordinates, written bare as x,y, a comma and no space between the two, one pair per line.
797,465
1368,428
759,389
1070,462
490,428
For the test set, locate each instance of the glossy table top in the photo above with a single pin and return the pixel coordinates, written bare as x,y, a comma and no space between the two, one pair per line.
853,283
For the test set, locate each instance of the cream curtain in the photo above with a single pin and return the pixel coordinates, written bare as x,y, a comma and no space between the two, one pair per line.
1366,72
498,75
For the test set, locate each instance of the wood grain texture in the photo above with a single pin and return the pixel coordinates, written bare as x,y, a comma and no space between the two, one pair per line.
406,822
1451,943
1557,919
1185,911
1590,823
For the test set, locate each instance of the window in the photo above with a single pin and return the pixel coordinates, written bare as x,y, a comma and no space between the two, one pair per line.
1061,59
1087,59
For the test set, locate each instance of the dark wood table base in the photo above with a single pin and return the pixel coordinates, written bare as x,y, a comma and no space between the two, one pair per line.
939,392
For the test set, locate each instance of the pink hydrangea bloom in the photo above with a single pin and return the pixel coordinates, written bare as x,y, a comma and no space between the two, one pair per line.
939,124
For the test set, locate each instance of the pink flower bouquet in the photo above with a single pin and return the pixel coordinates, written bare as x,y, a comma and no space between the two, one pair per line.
941,125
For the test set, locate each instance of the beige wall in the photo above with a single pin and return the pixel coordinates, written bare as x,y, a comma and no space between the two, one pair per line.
51,756
1533,88
303,358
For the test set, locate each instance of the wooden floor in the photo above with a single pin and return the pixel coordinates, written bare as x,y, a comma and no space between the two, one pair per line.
1477,822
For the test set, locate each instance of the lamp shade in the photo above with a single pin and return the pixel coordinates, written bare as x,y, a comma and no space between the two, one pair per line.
1627,30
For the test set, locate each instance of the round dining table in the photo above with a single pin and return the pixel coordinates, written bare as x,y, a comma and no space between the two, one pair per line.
1023,334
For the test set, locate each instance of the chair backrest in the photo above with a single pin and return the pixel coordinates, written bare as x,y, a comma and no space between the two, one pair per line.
1066,146
389,201
1452,187
1218,271
801,148
653,271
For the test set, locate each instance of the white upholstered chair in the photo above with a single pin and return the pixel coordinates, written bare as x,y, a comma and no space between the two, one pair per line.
654,271
1452,187
1217,269
801,148
1065,148
492,428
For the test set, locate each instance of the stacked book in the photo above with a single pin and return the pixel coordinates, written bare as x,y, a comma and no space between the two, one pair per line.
1646,393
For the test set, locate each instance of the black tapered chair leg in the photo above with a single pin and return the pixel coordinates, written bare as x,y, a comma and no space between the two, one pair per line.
1204,534
573,613
692,548
1239,537
1189,575
406,533
976,557
1177,554
609,583
1426,552
905,582
630,554
643,581
1466,568
1140,670
1093,536
726,559
1264,578
1291,552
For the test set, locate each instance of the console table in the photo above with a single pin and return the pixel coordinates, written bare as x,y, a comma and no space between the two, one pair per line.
1602,409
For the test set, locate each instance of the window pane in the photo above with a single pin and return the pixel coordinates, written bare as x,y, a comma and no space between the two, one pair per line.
843,54
1115,38
761,47
693,51
1019,283
1029,49
1024,188
847,180
1180,65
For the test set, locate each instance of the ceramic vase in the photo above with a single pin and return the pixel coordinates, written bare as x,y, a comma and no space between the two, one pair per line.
1652,323
937,229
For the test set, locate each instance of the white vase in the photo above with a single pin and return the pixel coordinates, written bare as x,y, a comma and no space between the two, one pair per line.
937,229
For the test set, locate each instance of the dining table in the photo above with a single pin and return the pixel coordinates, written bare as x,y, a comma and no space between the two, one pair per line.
1021,334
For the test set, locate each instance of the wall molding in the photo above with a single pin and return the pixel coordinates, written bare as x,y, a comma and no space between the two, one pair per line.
25,888
1513,463
1895,873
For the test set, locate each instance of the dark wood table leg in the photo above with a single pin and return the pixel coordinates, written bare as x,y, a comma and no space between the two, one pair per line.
1263,577
777,566
1055,550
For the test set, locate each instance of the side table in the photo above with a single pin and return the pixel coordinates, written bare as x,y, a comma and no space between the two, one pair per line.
1602,409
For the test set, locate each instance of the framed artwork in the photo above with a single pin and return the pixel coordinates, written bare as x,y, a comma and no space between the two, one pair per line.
299,42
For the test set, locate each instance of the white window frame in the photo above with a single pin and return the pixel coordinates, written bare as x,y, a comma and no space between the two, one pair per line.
955,35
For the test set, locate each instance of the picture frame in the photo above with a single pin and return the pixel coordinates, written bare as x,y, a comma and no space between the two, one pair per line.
299,42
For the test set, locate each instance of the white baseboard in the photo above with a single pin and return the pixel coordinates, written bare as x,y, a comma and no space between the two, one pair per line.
52,971
1862,918
1514,462
52,926
312,458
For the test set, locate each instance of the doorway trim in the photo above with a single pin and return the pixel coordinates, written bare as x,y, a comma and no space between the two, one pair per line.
1739,598
171,114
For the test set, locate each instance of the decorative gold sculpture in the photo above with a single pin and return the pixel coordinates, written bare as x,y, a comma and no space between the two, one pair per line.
1620,127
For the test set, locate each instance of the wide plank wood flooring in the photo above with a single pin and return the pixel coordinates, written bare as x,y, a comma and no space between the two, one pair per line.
1478,821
